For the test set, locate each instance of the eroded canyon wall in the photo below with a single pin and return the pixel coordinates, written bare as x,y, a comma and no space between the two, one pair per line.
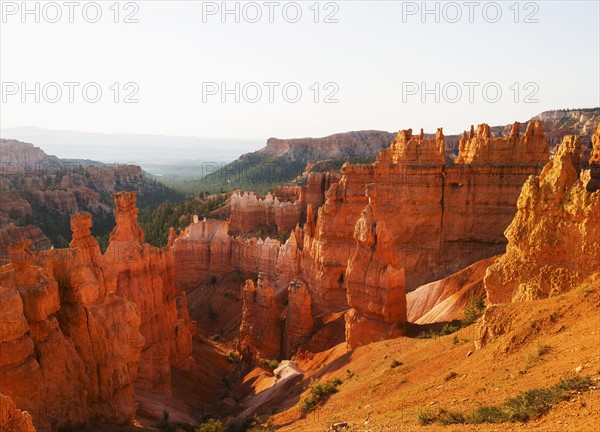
441,217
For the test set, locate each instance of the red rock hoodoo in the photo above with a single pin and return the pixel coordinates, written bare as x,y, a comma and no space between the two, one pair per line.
145,275
260,332
375,287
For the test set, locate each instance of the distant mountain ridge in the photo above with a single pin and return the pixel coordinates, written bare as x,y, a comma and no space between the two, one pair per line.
282,160
39,192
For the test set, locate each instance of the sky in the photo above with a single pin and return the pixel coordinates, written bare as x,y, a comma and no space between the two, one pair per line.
363,65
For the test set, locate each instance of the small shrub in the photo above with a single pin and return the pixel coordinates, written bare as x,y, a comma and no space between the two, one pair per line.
272,363
425,417
455,340
537,354
318,393
395,364
241,425
450,417
429,334
448,329
480,304
542,349
450,375
472,310
525,406
165,415
487,414
212,426
231,357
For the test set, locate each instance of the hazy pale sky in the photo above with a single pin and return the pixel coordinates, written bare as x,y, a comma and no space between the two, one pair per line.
369,57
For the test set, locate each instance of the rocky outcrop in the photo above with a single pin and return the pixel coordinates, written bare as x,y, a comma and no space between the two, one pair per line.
249,212
145,276
13,419
20,156
554,239
260,331
280,212
594,182
412,149
69,353
10,232
375,287
479,147
559,123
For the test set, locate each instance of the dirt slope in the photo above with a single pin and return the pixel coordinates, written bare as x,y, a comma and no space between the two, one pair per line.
375,397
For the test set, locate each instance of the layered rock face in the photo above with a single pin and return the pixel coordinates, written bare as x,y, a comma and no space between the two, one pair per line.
375,288
69,350
554,239
594,182
260,332
145,275
441,218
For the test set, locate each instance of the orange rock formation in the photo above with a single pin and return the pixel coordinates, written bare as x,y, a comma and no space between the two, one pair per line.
145,275
69,351
481,148
375,288
554,239
441,218
13,419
